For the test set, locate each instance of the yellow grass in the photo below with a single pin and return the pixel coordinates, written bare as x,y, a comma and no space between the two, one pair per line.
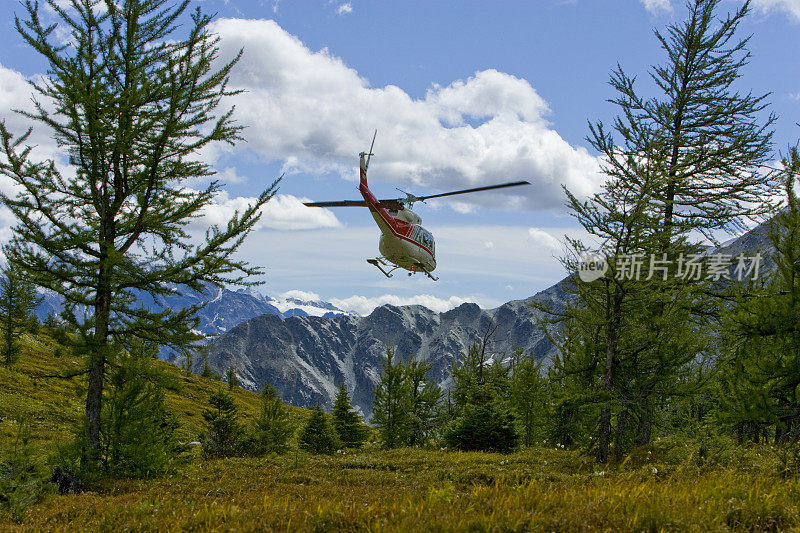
665,487
416,490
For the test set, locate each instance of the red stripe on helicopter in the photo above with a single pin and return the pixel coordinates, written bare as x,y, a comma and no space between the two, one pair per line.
395,225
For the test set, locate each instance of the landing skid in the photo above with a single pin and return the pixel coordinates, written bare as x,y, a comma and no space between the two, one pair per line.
429,274
379,263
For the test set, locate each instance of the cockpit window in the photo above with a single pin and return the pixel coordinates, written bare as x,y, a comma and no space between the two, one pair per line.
425,238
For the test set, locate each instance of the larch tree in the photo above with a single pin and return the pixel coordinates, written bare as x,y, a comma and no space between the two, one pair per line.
761,338
686,160
424,402
131,104
319,435
528,394
392,403
18,299
272,429
712,138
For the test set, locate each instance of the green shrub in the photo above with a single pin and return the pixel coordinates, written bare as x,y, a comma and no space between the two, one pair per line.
139,431
21,481
352,433
482,427
318,435
223,432
272,429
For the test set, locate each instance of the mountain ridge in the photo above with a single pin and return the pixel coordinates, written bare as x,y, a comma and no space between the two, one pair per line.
306,358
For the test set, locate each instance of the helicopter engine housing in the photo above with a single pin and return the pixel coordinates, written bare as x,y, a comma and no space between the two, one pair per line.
406,215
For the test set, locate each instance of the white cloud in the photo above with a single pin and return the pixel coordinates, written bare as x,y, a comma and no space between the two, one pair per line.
7,220
345,8
229,175
314,112
363,305
282,212
541,238
462,208
15,94
306,296
657,6
792,7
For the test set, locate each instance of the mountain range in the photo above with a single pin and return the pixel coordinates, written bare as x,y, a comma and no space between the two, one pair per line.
306,358
307,348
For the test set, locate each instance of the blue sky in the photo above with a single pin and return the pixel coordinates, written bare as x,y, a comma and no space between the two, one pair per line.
462,94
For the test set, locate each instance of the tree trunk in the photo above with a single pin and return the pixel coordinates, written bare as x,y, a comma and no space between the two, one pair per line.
603,435
604,427
97,359
645,431
619,437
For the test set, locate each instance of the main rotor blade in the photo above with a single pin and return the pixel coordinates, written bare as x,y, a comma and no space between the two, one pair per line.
392,205
476,189
397,203
340,203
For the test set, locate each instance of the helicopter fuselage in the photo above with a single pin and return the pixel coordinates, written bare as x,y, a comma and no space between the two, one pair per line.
415,253
404,242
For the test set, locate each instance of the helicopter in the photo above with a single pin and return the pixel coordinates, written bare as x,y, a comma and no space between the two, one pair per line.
404,243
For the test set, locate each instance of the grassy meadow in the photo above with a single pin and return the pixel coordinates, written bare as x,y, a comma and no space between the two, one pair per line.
670,485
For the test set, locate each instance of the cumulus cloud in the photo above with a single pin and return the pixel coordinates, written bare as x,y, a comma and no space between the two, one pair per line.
282,212
343,9
363,305
316,113
16,94
7,220
541,238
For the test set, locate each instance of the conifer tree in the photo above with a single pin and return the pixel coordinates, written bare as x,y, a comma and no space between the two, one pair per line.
708,134
17,301
352,433
232,379
528,395
132,104
273,427
223,430
424,403
484,419
683,160
392,403
140,431
207,372
188,363
761,368
318,435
